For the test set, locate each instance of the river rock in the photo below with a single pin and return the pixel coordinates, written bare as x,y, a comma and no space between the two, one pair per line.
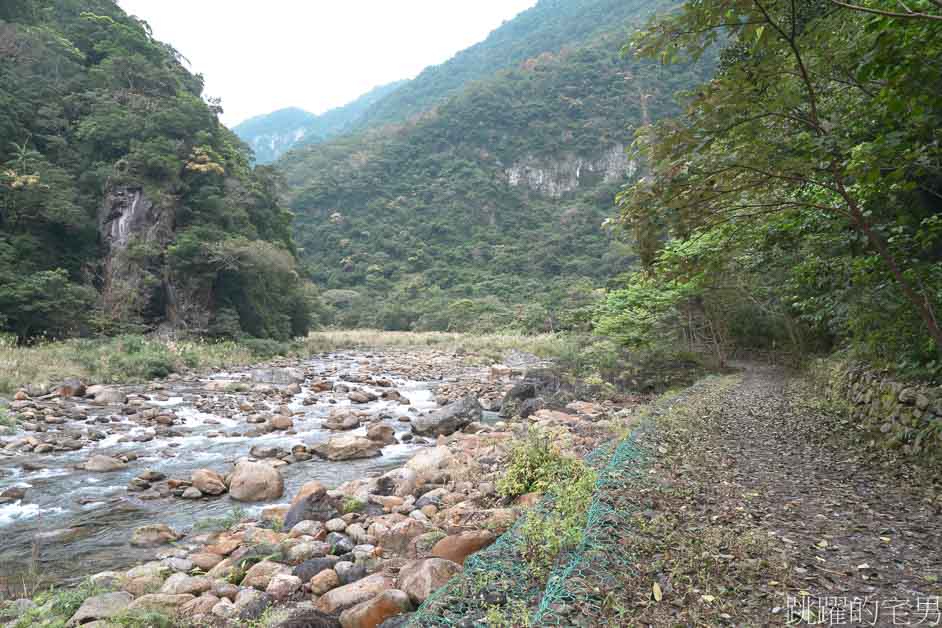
421,578
200,607
317,506
398,537
252,604
458,547
347,447
310,568
374,612
160,603
449,419
103,606
339,543
342,421
110,396
428,462
259,576
348,596
255,482
104,464
382,434
362,396
325,581
283,586
282,423
181,583
400,482
208,482
205,560
152,535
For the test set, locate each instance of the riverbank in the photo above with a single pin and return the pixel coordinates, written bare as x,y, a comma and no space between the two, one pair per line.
136,359
163,458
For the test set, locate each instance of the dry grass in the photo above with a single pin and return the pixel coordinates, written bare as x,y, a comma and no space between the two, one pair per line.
132,359
545,345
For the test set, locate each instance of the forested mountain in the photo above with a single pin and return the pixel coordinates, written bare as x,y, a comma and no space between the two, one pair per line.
124,203
272,135
487,210
550,26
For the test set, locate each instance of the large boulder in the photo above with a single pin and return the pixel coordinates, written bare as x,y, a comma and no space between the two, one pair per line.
99,607
208,482
421,578
458,547
342,421
109,396
543,383
104,464
449,419
255,482
347,447
400,482
372,613
348,596
382,434
428,462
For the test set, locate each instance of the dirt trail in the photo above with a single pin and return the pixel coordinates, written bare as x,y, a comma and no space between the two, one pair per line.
753,514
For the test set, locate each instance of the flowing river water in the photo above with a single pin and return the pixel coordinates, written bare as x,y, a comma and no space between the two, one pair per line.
78,523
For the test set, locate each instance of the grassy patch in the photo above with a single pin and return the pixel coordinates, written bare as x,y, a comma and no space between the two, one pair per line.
125,359
54,607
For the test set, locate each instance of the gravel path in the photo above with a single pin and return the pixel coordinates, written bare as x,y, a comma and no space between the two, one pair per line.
753,513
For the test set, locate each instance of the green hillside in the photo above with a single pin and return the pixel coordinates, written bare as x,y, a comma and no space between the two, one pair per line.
550,26
488,210
124,203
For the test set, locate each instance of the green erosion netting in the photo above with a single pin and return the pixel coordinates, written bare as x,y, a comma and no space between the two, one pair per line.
497,587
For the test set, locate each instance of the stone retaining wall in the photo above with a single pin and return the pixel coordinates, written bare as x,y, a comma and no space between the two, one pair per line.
902,416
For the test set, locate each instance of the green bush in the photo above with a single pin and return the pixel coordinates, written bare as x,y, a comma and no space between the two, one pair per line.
537,465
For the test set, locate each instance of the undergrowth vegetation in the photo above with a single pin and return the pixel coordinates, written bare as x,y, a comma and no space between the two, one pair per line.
538,465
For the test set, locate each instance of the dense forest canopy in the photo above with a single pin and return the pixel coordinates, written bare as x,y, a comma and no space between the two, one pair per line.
94,113
796,203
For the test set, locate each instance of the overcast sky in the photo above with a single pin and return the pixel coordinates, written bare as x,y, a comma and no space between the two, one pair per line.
314,54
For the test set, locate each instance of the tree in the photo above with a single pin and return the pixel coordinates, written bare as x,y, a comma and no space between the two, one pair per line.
817,111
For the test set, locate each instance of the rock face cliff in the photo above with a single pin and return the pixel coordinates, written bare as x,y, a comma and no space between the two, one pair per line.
134,230
567,173
138,287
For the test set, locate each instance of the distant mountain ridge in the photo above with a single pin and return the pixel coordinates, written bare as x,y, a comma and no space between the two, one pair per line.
272,135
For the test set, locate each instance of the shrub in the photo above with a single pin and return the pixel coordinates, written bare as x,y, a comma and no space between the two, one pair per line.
537,465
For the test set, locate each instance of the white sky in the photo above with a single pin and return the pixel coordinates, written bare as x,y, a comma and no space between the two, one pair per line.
314,54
